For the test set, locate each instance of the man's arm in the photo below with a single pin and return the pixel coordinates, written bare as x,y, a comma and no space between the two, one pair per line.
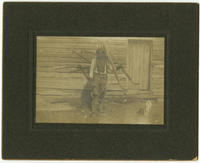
109,67
92,67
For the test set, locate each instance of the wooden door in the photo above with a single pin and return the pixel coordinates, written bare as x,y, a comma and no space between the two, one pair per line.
138,61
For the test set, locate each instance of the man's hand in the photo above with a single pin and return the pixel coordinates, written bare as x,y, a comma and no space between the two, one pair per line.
118,67
79,67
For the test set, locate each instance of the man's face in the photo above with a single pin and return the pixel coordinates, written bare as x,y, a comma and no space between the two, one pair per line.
101,52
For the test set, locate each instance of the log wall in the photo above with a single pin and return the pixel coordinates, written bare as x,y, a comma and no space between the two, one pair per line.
57,74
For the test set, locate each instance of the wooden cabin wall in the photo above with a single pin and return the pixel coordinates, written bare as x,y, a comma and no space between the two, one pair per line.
56,70
57,64
157,68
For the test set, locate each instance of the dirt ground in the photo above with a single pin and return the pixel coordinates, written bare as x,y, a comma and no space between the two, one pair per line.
116,110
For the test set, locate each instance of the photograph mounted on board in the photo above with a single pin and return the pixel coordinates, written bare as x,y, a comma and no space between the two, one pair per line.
100,80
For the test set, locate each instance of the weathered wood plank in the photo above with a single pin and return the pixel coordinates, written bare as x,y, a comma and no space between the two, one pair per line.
55,59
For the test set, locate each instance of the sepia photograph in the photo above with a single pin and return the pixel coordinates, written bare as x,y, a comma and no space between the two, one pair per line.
100,81
104,80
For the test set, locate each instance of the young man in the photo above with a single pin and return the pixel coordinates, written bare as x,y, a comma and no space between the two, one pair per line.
98,75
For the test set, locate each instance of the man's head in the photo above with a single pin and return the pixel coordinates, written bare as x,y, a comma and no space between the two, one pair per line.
101,51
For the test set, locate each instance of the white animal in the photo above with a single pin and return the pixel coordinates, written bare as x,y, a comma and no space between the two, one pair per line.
147,108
